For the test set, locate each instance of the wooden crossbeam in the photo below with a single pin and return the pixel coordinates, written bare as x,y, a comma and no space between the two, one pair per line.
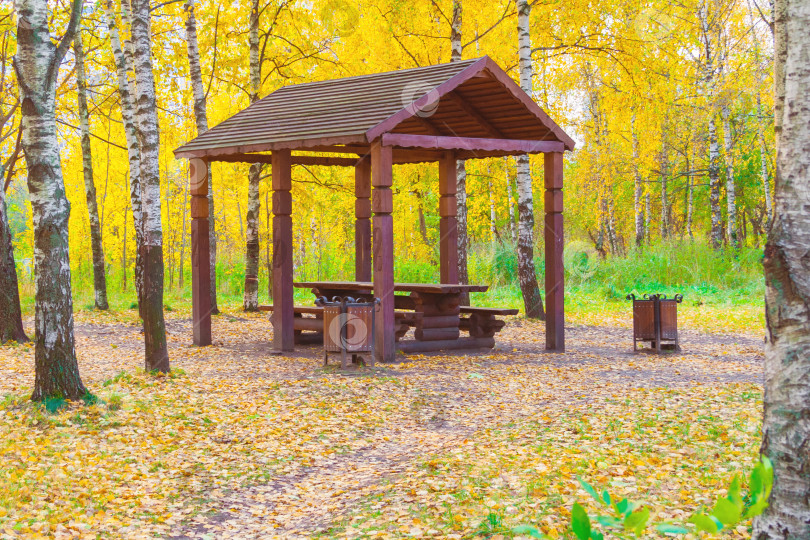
510,146
296,160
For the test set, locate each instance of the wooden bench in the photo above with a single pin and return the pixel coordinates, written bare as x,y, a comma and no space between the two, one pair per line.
482,321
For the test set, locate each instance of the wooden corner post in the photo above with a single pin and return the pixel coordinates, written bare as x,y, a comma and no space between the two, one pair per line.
283,311
362,224
383,205
555,276
200,258
448,224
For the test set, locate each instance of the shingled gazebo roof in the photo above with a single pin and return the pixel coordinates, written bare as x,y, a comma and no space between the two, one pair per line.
473,99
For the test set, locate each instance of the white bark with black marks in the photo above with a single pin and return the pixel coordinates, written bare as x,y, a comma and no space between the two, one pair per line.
125,94
146,123
786,424
96,243
638,187
714,185
532,300
731,191
252,247
37,66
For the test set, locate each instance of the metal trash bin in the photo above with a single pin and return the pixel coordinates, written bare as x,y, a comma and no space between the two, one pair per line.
655,320
348,328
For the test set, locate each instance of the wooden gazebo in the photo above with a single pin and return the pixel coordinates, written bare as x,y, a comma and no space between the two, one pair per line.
441,113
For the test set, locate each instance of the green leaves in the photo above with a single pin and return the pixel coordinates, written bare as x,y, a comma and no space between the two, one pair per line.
727,512
637,521
580,522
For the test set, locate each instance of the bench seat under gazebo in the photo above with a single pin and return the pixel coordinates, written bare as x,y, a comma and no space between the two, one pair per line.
442,113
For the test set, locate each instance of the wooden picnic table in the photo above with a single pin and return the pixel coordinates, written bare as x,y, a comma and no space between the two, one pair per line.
436,311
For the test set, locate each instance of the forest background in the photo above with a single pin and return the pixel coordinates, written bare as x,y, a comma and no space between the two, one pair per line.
669,188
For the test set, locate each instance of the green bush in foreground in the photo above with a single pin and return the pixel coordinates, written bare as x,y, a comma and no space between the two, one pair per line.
628,517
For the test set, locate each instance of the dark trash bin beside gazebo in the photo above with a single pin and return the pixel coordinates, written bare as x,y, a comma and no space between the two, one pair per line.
441,113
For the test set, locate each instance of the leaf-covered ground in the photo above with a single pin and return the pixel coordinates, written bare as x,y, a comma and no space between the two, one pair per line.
240,443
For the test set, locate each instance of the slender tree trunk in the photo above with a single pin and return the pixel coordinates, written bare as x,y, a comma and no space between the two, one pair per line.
664,183
461,166
532,300
201,119
124,253
510,207
181,276
251,300
638,212
99,263
37,65
714,185
786,428
763,164
156,352
647,216
689,196
731,192
11,325
126,94
493,217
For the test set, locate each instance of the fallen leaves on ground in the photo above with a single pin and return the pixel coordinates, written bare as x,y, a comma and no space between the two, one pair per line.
238,442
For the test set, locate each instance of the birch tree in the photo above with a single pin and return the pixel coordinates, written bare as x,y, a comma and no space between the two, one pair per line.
532,300
461,165
786,424
638,211
96,244
251,299
146,123
37,67
731,192
126,91
201,119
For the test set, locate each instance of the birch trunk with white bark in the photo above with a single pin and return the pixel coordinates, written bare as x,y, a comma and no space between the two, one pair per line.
201,119
146,123
786,424
510,207
714,185
731,191
532,299
126,95
638,211
37,66
462,238
96,244
251,298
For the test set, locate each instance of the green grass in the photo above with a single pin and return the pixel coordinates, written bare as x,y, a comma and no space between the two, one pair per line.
710,281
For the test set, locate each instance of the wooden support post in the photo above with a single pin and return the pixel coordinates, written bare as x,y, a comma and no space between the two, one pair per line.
200,258
448,231
383,206
283,313
362,224
555,293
